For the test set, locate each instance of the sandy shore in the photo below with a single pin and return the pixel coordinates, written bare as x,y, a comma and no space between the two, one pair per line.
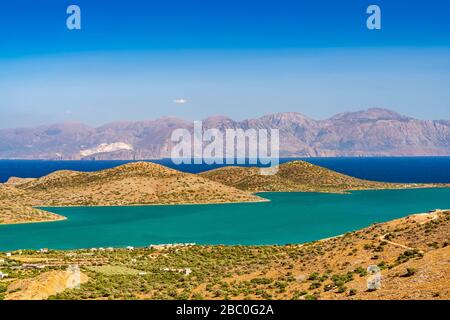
59,218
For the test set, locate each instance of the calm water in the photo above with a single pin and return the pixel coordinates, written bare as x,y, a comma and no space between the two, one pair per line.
288,218
402,169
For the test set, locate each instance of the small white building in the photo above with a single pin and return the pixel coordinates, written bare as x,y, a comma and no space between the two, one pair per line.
8,254
130,248
43,250
3,275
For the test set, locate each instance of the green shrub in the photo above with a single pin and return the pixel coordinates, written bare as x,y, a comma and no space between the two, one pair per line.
361,271
314,285
298,294
407,255
261,281
341,289
313,276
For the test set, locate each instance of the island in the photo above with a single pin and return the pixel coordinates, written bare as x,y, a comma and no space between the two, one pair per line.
146,183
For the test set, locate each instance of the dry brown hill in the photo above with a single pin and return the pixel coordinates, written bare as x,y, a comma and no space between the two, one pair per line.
12,213
294,176
15,181
139,183
45,285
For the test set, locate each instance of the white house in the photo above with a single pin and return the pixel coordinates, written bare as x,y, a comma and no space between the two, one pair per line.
3,275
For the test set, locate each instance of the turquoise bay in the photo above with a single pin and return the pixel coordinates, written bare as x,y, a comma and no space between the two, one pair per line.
287,218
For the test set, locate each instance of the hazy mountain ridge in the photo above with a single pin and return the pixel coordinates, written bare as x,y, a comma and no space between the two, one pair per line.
373,132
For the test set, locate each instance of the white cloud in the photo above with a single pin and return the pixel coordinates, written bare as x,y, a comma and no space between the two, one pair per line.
180,101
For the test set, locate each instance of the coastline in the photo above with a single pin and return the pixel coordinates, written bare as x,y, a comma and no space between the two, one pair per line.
421,217
432,214
403,187
410,268
109,188
60,218
157,204
263,200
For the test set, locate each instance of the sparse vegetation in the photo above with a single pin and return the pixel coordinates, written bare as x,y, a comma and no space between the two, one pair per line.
296,176
315,270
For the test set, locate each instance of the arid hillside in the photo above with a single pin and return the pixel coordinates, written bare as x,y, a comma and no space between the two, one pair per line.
294,176
140,183
145,183
412,254
12,213
129,184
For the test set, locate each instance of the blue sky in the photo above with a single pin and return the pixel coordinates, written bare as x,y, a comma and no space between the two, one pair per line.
240,58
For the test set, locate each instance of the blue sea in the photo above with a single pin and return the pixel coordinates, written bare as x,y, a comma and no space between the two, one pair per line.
287,218
392,169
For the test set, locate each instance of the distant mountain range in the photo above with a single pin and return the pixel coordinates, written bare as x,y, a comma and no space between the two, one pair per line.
373,132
